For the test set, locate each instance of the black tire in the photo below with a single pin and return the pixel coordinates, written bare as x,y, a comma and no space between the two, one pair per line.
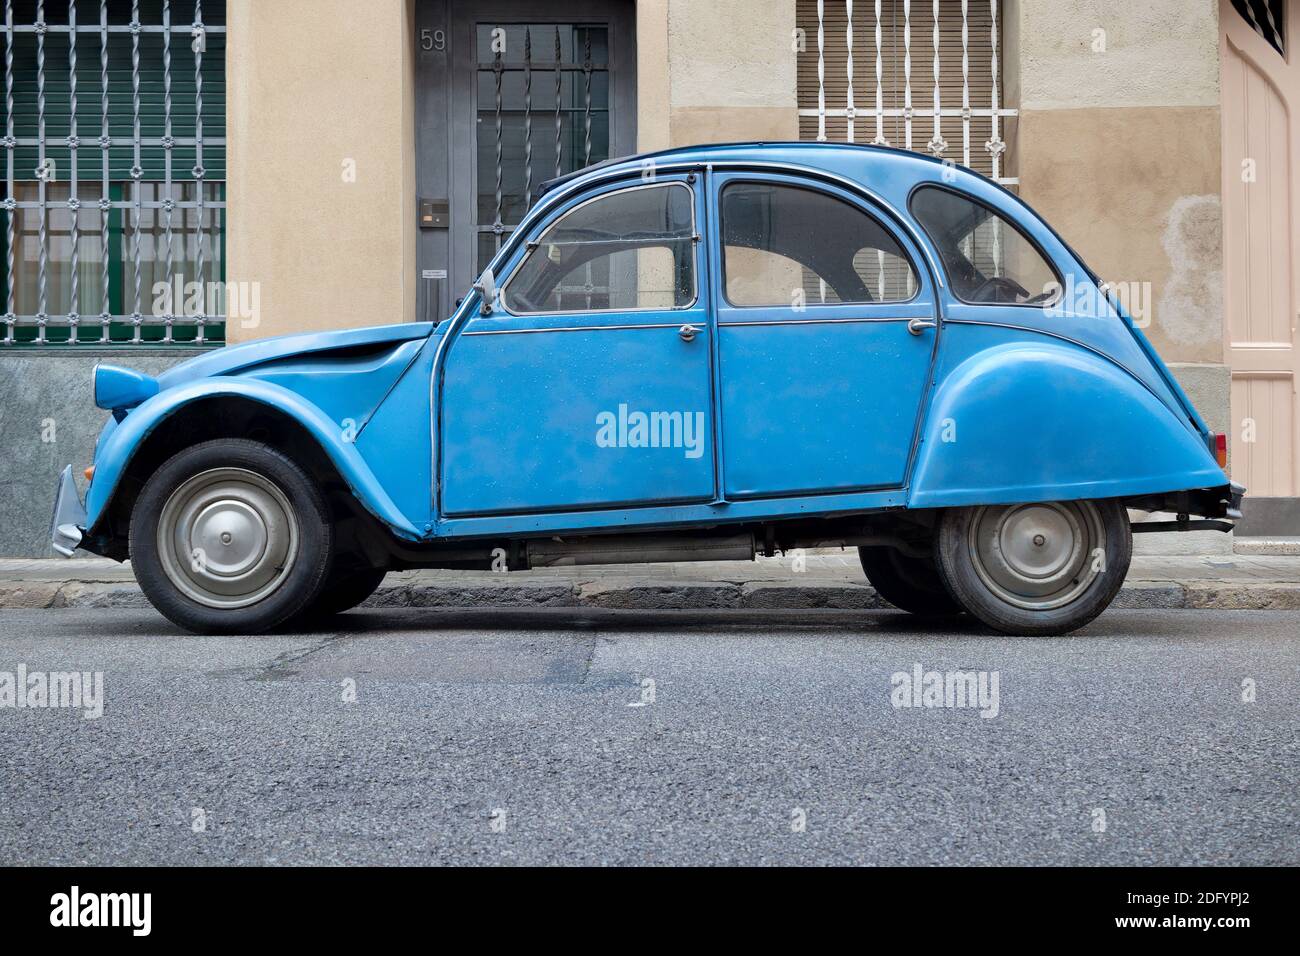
910,584
346,586
1038,569
264,518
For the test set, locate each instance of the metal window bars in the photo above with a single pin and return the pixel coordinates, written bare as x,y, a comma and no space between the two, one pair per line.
889,27
512,150
80,37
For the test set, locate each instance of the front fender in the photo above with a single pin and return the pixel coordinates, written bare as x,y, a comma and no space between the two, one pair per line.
115,452
1048,421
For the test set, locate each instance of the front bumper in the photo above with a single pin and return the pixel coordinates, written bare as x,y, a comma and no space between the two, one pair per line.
69,519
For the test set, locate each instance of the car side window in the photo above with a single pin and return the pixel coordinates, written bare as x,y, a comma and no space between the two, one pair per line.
788,245
629,249
988,260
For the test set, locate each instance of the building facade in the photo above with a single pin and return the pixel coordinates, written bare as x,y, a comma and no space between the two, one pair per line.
274,166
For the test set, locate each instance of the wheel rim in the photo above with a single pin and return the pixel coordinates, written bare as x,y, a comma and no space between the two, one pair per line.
227,537
1038,556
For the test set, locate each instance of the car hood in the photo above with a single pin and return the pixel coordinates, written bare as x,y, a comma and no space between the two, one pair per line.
236,358
233,358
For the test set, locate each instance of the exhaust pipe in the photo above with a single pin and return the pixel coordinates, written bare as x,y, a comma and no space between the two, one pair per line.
639,549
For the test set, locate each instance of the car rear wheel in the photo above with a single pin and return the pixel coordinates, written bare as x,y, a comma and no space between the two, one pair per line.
908,583
230,536
1037,569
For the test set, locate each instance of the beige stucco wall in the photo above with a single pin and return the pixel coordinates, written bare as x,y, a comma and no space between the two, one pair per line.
715,72
1136,192
317,88
1119,150
1158,53
653,87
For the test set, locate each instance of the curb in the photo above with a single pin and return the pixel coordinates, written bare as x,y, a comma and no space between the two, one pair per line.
650,595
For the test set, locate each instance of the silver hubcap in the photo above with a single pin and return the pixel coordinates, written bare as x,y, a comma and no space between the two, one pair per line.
1038,556
227,537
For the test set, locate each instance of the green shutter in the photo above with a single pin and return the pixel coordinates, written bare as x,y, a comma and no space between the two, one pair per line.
121,105
121,46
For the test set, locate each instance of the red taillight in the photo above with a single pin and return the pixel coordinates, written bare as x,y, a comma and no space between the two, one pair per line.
1221,449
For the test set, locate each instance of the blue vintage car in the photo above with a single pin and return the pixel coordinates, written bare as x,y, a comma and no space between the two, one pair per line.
705,353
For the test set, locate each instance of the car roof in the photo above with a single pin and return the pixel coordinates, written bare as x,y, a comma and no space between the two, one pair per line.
886,170
865,160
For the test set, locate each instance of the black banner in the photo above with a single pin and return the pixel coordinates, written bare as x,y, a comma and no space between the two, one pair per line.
332,906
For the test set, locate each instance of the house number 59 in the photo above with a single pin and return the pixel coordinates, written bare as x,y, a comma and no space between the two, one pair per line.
433,40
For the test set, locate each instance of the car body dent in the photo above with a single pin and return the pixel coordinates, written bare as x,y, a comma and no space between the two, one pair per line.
235,358
346,389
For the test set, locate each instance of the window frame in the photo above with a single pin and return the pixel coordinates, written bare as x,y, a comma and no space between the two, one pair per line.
803,184
942,263
532,245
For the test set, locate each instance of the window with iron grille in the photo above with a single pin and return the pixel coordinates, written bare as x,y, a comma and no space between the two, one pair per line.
543,111
915,74
114,172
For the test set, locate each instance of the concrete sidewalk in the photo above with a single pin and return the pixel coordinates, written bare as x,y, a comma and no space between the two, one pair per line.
1266,580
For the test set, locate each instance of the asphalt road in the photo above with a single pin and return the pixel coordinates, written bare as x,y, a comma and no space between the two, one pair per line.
509,737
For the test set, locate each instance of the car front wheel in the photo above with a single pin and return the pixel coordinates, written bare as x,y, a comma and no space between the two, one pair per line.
1036,569
230,536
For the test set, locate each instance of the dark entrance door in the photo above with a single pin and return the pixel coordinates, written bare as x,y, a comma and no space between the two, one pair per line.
509,93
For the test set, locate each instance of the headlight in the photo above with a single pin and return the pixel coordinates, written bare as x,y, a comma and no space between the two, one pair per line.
118,388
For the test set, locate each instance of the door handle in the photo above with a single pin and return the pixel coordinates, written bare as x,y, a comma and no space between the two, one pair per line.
688,332
917,326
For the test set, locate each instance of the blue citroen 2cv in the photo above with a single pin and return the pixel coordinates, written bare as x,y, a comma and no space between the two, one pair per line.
705,353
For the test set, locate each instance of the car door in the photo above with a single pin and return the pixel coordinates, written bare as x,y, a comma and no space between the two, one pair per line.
826,333
589,384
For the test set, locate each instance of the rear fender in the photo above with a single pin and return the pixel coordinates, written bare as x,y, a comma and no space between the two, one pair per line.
1051,421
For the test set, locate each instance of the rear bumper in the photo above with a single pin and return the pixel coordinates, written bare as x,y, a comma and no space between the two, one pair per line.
1221,502
1235,493
1217,509
67,524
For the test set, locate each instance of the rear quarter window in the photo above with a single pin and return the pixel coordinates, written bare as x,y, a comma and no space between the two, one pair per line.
989,261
